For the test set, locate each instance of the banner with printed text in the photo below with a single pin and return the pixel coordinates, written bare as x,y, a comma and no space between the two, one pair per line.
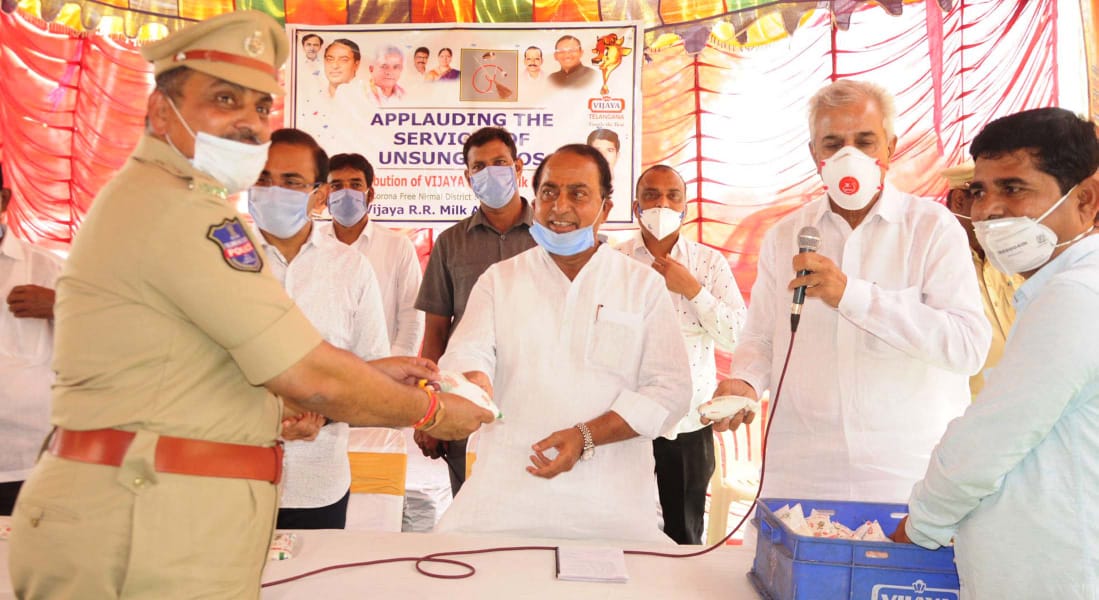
407,97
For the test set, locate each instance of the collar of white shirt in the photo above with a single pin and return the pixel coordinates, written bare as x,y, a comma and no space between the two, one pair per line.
9,246
635,246
889,207
1073,254
316,238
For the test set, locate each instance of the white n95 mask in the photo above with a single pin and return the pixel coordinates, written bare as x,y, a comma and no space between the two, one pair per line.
661,221
1020,244
851,178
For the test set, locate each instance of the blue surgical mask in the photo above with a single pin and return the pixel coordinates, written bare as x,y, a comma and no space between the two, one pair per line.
347,206
494,185
279,211
563,244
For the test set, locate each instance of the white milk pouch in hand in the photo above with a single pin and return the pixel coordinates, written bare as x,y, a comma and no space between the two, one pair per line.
450,382
726,406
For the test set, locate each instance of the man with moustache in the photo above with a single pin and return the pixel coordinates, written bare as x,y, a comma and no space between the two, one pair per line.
173,346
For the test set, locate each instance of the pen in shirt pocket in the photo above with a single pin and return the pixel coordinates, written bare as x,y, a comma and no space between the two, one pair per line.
598,307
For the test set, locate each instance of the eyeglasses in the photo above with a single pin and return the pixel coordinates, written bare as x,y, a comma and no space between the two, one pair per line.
343,60
567,51
291,183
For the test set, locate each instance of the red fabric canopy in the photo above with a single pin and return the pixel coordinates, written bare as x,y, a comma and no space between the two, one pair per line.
731,119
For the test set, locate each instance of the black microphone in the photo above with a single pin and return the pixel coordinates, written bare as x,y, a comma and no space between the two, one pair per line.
808,241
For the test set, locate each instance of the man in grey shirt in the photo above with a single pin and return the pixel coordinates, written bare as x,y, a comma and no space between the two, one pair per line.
498,230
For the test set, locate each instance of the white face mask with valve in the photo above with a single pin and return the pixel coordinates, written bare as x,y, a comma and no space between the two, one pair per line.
234,164
1020,244
661,221
851,178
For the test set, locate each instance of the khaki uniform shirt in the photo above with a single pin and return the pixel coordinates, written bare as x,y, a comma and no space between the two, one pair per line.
997,291
167,322
168,318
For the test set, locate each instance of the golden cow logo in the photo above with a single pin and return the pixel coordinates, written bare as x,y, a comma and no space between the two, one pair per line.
608,53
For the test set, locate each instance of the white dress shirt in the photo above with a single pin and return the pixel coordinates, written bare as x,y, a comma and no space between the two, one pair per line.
711,319
335,287
560,352
26,347
397,268
871,385
1016,480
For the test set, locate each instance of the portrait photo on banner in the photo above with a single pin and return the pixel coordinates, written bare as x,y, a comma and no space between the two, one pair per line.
407,97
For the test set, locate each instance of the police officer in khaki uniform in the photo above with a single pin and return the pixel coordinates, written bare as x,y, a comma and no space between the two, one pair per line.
160,477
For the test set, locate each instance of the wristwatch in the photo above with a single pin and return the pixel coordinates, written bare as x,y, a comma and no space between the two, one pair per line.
589,444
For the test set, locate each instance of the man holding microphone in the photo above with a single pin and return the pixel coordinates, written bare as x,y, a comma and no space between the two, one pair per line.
892,324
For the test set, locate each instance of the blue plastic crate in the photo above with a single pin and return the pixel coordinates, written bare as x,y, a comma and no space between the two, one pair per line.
788,566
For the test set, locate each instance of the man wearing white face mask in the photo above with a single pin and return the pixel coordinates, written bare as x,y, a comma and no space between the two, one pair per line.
582,348
498,230
1014,481
711,312
173,346
891,328
335,287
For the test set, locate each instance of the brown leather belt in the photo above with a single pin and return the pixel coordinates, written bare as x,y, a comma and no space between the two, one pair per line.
182,456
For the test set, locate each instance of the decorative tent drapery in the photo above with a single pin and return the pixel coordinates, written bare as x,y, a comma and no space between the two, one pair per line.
730,117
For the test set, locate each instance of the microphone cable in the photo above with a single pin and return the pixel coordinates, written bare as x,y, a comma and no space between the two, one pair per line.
444,557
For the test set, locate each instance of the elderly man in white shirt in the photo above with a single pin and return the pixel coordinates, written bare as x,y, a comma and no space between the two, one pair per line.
892,325
27,277
711,312
1014,481
583,350
335,287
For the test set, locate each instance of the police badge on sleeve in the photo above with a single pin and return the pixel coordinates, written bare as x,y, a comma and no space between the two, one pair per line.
236,247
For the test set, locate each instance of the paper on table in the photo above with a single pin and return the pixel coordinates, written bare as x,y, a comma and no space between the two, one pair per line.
586,563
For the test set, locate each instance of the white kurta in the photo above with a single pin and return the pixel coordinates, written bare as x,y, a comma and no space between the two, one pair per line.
558,353
711,319
397,269
872,385
335,287
26,347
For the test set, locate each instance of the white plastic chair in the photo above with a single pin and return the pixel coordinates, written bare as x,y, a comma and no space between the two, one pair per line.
739,455
378,468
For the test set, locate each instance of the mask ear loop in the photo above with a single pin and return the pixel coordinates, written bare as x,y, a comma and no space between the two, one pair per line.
168,138
1056,204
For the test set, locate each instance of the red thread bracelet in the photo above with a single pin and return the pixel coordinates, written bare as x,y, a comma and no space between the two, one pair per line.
431,408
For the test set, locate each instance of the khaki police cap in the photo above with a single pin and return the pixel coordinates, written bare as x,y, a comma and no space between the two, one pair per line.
244,47
958,176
